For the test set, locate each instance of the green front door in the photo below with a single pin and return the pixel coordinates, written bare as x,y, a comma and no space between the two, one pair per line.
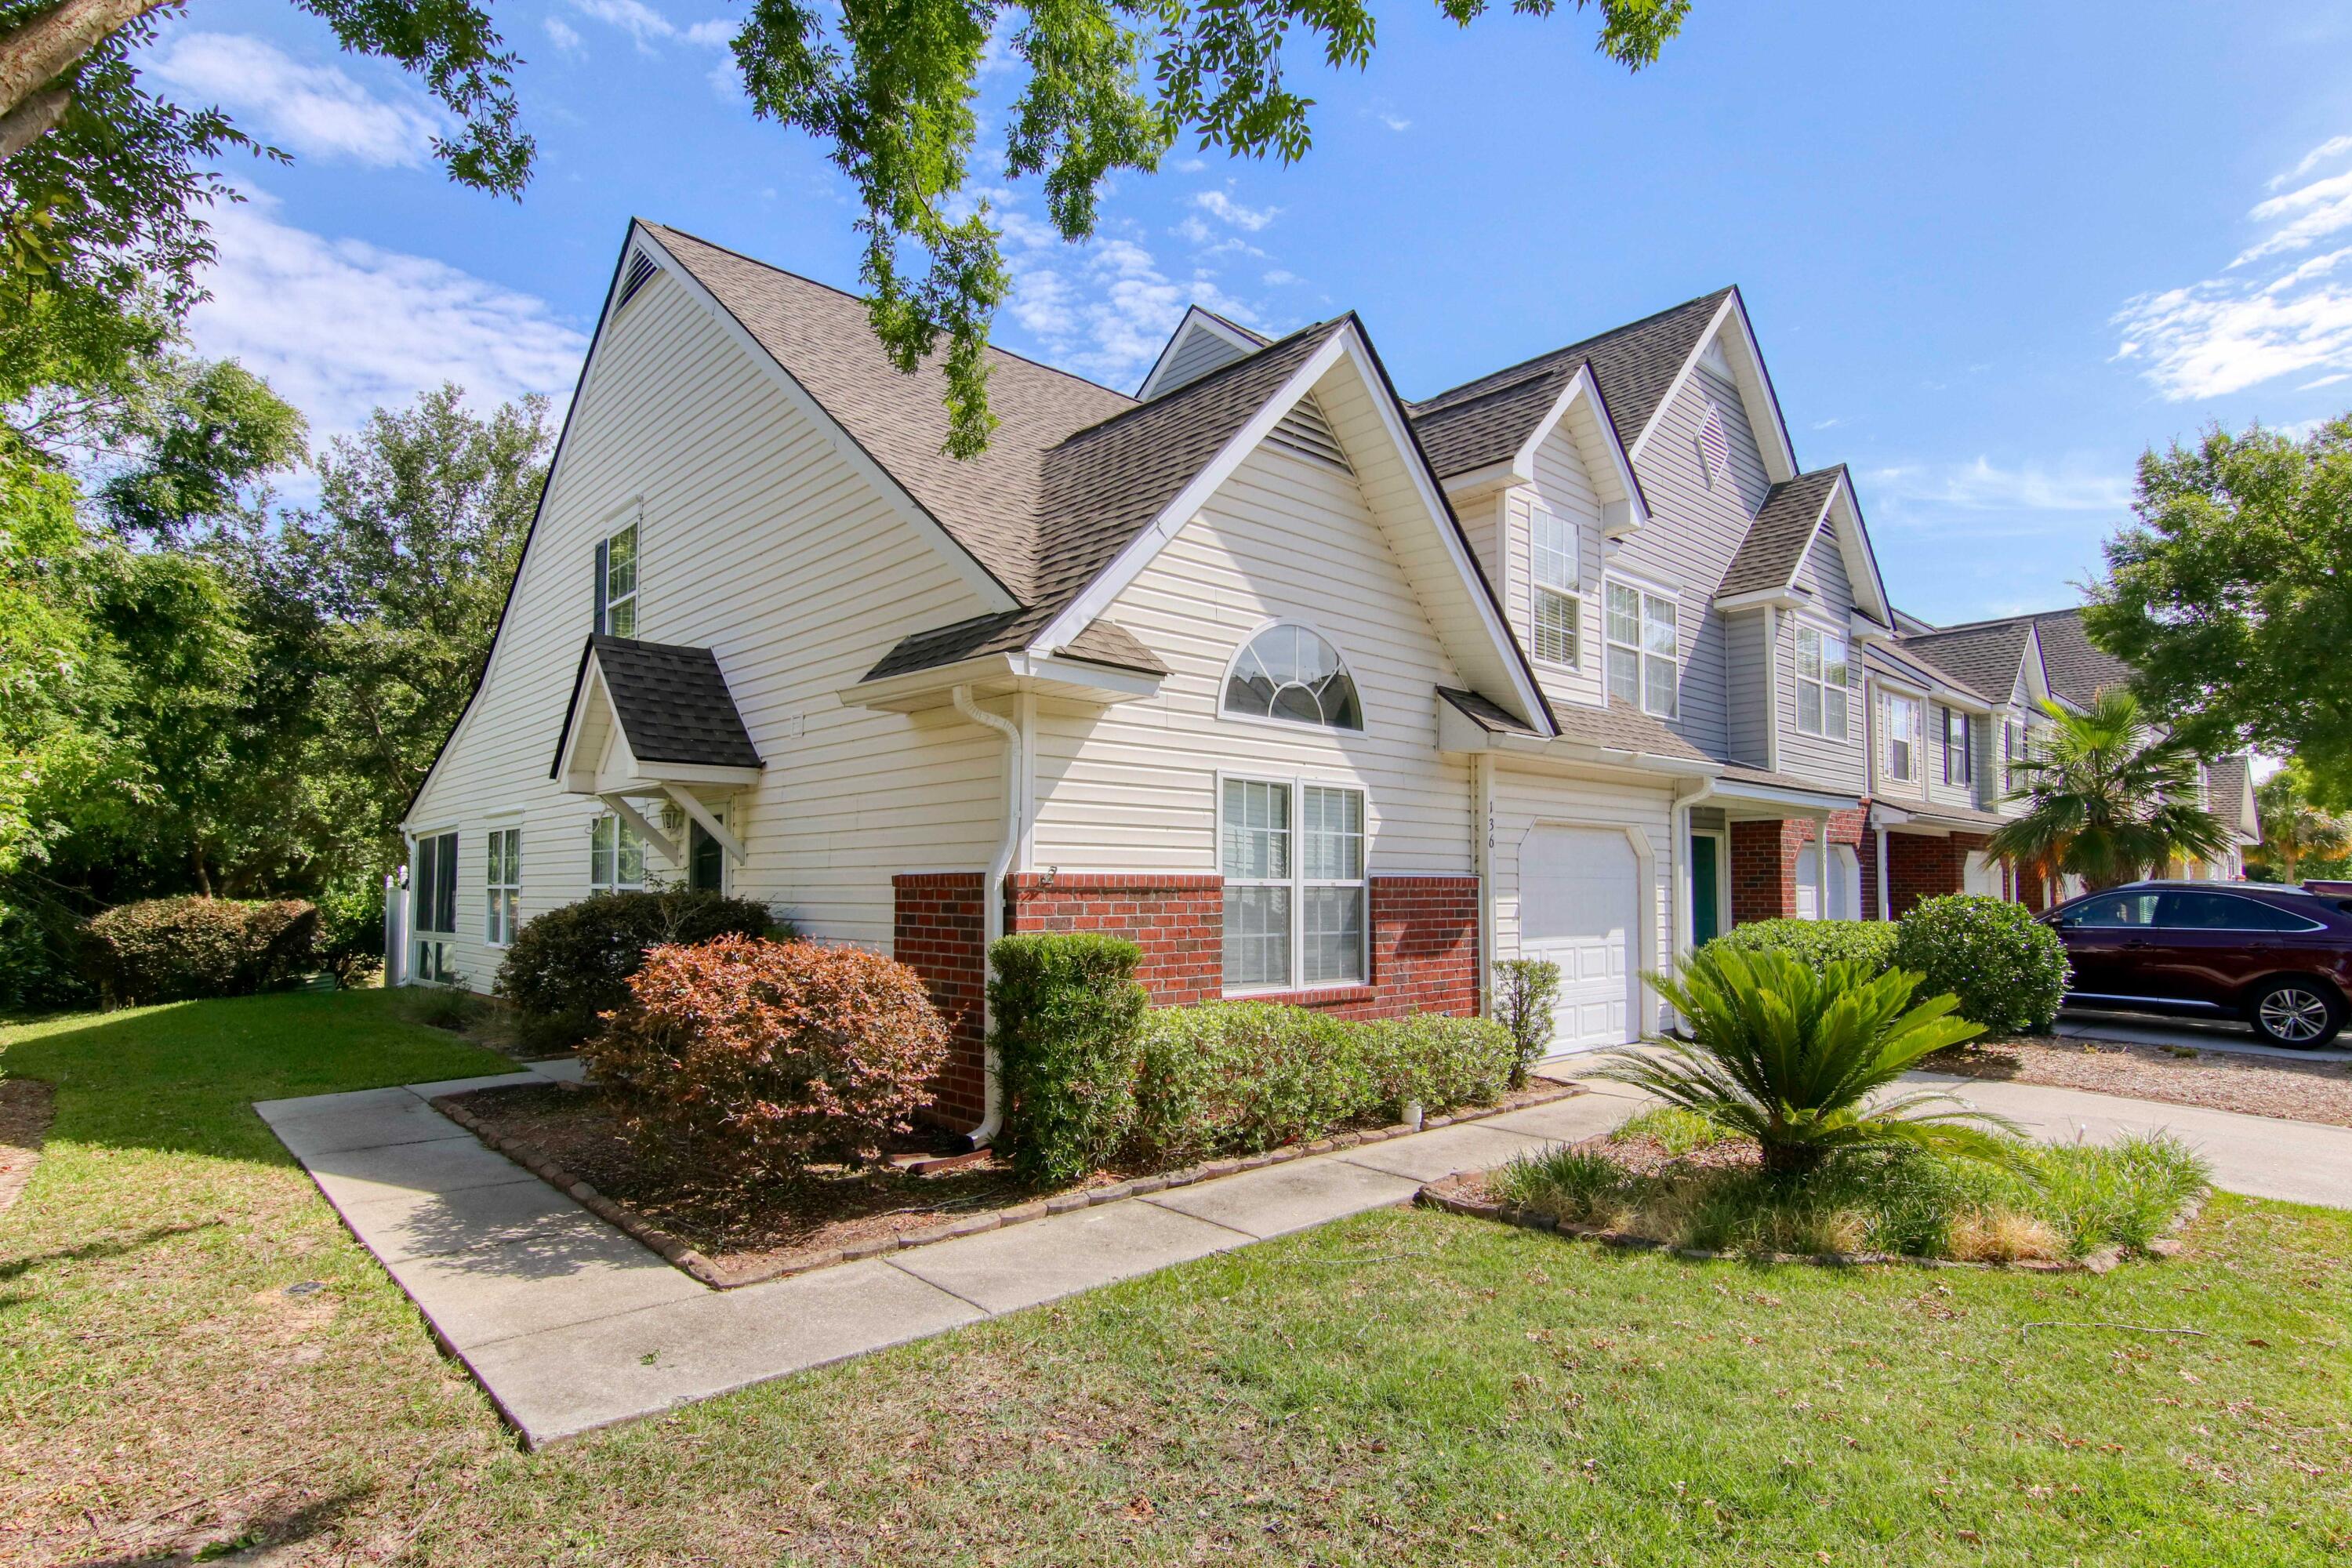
1707,895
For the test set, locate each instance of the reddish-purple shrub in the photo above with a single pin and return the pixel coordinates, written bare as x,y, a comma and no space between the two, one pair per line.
758,1057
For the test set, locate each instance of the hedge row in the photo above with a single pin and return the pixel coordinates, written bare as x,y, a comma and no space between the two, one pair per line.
570,966
2007,969
1093,1076
169,950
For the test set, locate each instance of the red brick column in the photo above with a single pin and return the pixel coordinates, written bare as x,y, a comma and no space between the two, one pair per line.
1425,947
1179,920
939,929
1764,864
1866,851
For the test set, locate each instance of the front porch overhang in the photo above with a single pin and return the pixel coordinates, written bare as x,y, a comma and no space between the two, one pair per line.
999,675
649,727
1929,822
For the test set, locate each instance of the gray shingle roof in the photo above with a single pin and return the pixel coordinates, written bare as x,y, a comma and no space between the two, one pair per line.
1740,773
1487,714
1985,659
1487,420
1619,727
2078,671
2226,792
1783,528
1890,661
672,702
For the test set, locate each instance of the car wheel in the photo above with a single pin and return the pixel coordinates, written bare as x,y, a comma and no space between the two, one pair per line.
2301,1013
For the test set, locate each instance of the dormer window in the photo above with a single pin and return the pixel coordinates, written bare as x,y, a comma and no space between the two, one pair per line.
616,582
1290,673
1552,548
1644,649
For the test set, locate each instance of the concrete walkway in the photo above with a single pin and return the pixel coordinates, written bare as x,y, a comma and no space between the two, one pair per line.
571,1324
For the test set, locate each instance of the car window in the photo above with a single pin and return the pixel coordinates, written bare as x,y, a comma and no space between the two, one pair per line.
2114,910
2223,912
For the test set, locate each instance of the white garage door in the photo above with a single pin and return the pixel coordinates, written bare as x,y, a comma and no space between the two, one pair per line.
1578,902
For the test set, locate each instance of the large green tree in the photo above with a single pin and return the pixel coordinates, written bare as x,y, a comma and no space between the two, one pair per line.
2299,838
2231,593
99,178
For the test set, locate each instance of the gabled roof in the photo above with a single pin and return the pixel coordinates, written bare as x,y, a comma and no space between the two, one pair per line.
1104,484
1782,533
1922,673
1487,420
1986,657
671,701
825,341
2077,669
1202,341
2230,796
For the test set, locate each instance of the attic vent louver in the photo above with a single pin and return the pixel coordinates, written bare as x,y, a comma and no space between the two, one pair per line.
1305,431
641,271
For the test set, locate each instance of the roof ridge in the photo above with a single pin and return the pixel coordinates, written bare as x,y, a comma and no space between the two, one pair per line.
1533,364
1203,380
2005,620
1552,362
991,347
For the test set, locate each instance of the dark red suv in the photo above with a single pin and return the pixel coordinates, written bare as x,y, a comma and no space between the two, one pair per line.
2279,957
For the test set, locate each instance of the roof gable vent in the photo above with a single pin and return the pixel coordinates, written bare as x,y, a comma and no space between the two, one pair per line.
641,271
1307,433
1714,445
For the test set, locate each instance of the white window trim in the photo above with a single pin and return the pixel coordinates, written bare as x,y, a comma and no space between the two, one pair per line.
1968,746
1288,726
1649,590
501,822
1571,592
1895,699
615,885
1800,680
417,838
1298,882
629,514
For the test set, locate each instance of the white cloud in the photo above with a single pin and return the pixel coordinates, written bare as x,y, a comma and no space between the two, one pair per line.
1278,279
339,327
1396,122
2254,323
313,109
566,35
1192,165
2078,485
648,26
1829,424
1224,208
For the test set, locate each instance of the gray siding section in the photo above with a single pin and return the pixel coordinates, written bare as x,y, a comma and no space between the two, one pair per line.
1844,763
1200,352
1695,530
1822,573
1748,660
1938,791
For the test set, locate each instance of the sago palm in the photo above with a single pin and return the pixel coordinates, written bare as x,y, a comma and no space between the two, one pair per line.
1792,1058
2293,830
2107,798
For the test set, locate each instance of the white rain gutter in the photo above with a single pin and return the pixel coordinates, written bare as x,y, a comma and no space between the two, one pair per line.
991,893
1481,860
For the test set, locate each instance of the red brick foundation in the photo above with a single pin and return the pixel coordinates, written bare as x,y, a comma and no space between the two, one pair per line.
939,929
1764,864
1425,947
1921,866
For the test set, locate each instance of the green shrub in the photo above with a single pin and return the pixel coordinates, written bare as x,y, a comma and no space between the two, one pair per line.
570,966
1525,991
1435,1061
748,1060
1671,1127
1579,1185
41,963
165,950
350,930
2007,969
1067,1017
1240,1076
2118,1195
1817,944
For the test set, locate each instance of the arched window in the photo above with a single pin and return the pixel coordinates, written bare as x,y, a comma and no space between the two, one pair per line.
1288,672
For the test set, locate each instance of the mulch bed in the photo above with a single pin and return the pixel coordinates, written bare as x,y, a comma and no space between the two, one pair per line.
25,1108
726,1234
2220,1080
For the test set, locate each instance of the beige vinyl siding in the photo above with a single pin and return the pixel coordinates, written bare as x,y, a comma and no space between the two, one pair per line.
1201,351
1133,786
1527,797
1887,783
1693,533
758,540
1563,485
1939,792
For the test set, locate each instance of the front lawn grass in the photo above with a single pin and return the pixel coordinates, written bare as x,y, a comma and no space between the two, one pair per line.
1404,1387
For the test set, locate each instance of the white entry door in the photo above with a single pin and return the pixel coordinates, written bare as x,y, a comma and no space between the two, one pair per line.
1580,902
1982,876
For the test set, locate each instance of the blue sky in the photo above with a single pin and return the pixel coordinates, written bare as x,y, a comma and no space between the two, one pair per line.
1992,250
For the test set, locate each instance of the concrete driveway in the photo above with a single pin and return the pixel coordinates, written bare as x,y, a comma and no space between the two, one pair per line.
2217,1035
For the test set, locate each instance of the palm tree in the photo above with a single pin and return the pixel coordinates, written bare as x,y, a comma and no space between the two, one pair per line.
2293,830
2107,799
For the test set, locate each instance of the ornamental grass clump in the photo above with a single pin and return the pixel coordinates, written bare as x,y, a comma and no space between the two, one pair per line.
755,1058
1791,1057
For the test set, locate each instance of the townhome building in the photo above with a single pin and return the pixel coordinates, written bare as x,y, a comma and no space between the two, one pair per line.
1320,694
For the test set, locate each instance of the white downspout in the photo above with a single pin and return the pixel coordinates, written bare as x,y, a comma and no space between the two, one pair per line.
1822,865
1482,861
992,894
1885,904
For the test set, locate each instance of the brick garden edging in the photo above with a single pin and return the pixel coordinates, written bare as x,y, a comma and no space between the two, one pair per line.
1434,1196
531,1158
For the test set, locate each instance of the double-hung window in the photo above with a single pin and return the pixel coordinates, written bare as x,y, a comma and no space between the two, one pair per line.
1296,898
2014,750
504,881
1552,548
1903,738
616,856
1960,752
616,582
1645,648
1820,683
433,903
